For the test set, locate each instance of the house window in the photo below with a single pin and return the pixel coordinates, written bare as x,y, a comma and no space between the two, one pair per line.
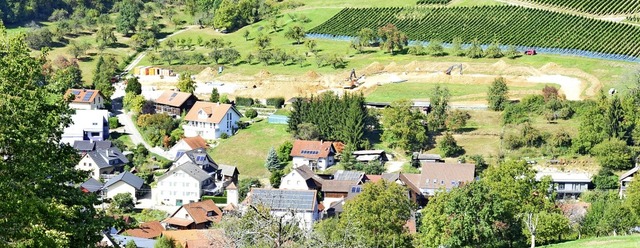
561,186
435,180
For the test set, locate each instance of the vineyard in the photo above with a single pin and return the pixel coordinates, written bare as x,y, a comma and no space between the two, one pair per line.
596,7
509,25
423,2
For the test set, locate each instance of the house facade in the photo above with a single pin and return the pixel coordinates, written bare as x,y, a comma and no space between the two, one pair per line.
211,120
186,144
125,182
444,176
85,99
196,215
625,179
567,185
318,155
87,125
174,103
186,183
101,162
301,178
295,205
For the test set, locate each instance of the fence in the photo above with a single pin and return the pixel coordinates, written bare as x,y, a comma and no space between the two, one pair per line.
278,119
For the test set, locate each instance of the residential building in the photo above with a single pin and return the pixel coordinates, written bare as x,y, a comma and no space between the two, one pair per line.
195,215
186,144
198,157
368,156
301,178
102,162
427,157
147,230
84,146
294,205
87,125
318,155
183,184
228,174
211,120
91,186
125,182
85,99
444,176
174,103
567,184
625,179
199,238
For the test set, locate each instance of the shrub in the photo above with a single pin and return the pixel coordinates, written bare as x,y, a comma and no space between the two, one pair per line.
244,101
275,101
113,122
224,136
449,147
513,141
251,113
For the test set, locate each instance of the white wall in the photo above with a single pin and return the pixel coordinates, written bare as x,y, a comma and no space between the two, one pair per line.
178,185
121,187
98,103
305,218
232,197
293,180
323,163
180,146
182,214
211,131
87,164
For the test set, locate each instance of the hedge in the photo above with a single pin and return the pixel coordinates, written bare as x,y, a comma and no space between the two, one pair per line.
275,101
216,199
244,101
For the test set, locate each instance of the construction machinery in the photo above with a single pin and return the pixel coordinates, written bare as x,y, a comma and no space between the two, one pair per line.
453,67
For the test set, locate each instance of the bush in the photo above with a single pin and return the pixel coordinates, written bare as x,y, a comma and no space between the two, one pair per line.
251,113
275,101
216,199
513,141
244,101
224,136
449,147
113,122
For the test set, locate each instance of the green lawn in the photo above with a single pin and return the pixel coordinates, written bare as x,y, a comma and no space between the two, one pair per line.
630,241
249,147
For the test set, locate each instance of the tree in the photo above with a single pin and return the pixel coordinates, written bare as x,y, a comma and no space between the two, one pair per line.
78,49
272,164
134,103
493,51
186,84
276,178
512,52
456,47
605,179
435,48
245,185
251,113
457,119
475,50
122,203
38,181
448,146
165,242
133,86
403,127
613,154
58,15
105,36
131,244
307,131
245,34
296,33
376,217
392,38
284,151
498,94
366,37
311,45
371,168
263,41
128,16
439,100
37,38
66,77
230,55
102,75
215,96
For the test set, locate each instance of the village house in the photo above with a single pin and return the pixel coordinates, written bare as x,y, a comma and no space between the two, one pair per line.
301,177
91,186
227,174
297,205
146,230
198,157
185,183
87,125
318,155
125,182
427,157
186,144
199,238
444,176
342,184
85,99
174,103
567,185
625,179
84,146
211,120
368,156
102,162
196,215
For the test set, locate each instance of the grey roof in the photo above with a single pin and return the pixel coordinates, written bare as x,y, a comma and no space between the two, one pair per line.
428,156
191,169
227,170
312,179
281,199
128,178
140,242
206,164
88,145
391,177
343,175
91,185
629,173
102,157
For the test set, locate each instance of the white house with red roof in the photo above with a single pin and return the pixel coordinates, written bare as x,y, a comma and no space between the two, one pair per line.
211,120
85,99
318,155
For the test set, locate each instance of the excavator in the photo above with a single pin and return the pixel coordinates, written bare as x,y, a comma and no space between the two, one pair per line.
453,67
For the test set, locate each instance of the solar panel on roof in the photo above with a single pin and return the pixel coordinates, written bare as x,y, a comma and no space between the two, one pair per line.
87,96
172,96
75,92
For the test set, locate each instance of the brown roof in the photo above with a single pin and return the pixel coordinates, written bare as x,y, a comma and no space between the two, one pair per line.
230,207
81,95
312,149
195,142
411,180
374,178
214,112
198,238
232,186
307,174
198,211
147,230
342,186
178,221
173,98
438,175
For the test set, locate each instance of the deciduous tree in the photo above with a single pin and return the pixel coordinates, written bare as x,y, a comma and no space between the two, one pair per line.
403,127
186,84
392,38
296,33
498,94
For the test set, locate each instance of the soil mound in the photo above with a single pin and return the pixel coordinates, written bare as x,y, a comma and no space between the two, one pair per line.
549,66
206,75
312,75
500,65
413,66
263,73
391,67
373,68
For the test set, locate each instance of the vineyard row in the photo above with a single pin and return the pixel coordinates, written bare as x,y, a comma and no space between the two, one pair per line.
596,7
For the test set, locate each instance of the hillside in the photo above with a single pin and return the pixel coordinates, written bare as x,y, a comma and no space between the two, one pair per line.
629,241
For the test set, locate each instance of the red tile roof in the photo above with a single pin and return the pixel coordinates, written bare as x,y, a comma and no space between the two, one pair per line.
374,178
198,238
79,98
312,149
147,230
178,221
173,98
195,142
439,175
198,211
214,112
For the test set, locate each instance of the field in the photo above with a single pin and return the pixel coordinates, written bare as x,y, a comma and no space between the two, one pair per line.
249,147
510,25
630,241
416,91
597,7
